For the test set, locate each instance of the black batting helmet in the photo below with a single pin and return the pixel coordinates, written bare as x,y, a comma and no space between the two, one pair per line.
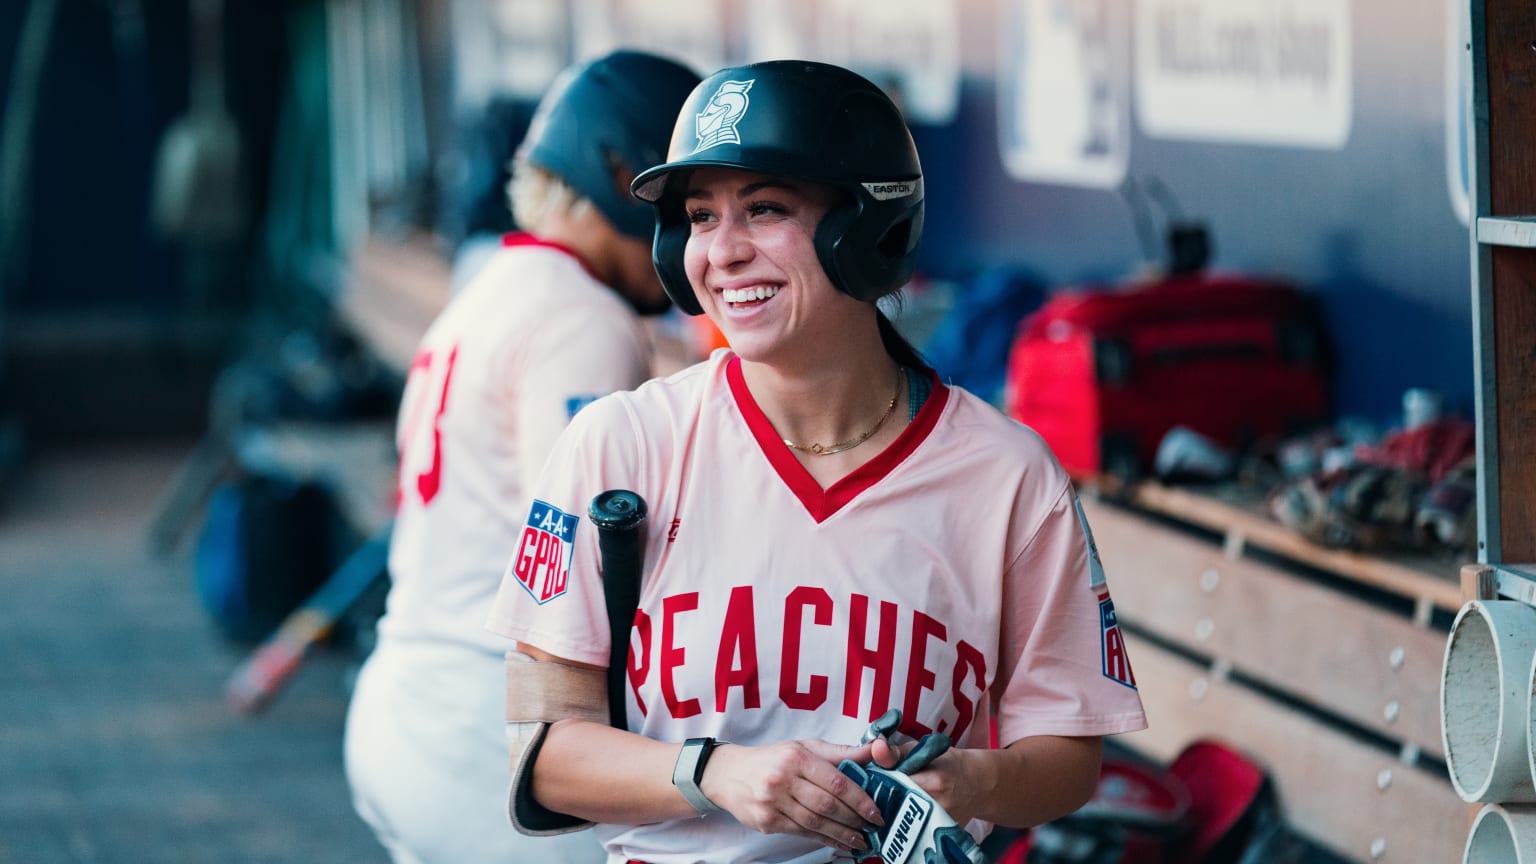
809,121
605,120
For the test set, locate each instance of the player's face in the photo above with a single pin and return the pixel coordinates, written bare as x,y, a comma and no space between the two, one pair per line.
751,258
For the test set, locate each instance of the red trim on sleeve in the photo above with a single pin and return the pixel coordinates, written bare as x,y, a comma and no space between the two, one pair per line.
522,238
822,503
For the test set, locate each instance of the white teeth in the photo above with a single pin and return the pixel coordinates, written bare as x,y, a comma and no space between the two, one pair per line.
747,295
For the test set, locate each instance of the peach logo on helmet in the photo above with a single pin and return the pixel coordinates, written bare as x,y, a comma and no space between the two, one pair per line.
716,124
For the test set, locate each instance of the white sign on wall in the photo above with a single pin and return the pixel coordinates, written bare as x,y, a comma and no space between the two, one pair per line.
1247,71
909,47
1456,155
1063,92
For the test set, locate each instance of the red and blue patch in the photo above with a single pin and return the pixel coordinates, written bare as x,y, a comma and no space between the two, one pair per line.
543,560
1117,663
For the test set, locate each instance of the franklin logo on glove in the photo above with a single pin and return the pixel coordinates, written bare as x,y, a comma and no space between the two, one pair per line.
916,829
914,815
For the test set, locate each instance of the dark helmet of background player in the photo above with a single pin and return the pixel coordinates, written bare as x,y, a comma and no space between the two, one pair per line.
809,121
605,120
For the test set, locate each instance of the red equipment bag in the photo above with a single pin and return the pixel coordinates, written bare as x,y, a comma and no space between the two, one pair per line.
1213,805
1103,374
1136,810
1234,811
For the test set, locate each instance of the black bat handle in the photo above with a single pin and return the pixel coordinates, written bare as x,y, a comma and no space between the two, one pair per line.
619,516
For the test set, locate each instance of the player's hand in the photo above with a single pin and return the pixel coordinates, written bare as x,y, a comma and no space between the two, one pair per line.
793,787
921,828
943,778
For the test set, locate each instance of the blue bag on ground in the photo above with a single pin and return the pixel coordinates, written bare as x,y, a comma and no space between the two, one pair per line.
970,345
266,545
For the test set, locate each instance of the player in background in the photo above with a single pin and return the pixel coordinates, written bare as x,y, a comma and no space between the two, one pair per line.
833,531
548,324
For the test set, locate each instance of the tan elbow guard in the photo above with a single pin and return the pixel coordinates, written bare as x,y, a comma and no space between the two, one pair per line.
539,693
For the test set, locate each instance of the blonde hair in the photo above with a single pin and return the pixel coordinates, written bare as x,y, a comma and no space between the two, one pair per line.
537,195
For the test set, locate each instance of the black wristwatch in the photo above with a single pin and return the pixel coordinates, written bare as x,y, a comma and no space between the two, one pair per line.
689,770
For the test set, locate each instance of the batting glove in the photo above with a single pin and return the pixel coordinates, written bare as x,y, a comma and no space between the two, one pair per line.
916,829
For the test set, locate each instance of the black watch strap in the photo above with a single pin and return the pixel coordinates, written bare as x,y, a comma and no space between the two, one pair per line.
689,770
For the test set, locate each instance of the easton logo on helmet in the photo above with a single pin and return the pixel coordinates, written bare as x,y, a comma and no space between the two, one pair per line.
716,124
893,189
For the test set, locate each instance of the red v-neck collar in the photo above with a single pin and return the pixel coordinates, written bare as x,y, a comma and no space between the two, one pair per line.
822,503
523,238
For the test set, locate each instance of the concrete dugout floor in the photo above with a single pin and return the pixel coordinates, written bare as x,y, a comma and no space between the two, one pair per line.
115,742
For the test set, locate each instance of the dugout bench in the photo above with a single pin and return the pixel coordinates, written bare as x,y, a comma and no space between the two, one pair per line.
1323,665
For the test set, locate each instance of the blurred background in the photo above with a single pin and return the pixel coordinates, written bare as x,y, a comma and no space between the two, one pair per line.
224,224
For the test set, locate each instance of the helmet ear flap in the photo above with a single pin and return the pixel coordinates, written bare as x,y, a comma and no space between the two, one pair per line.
667,257
830,234
895,256
868,257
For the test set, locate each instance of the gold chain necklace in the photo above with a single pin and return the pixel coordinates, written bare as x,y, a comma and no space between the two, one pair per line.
839,447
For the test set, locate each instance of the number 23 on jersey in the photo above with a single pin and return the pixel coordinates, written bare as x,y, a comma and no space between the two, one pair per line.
419,435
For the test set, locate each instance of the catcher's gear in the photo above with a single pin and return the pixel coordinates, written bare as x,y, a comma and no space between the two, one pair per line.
916,829
808,121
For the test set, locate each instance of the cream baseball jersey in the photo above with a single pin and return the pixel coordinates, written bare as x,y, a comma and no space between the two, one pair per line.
497,377
950,576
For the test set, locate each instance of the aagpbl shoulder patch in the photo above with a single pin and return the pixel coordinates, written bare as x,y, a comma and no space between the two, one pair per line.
1116,663
543,558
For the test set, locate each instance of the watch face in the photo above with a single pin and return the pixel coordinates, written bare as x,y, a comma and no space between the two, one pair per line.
690,770
701,748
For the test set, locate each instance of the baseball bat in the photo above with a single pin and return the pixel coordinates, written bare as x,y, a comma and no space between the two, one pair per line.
265,671
619,516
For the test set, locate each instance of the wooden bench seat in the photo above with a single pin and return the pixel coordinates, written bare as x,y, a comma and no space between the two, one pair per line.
1324,665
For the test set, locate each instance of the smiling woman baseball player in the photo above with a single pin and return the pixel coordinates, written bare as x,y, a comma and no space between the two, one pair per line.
546,325
833,533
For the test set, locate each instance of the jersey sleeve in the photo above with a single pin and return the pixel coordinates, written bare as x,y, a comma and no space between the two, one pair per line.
568,362
551,593
1063,664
